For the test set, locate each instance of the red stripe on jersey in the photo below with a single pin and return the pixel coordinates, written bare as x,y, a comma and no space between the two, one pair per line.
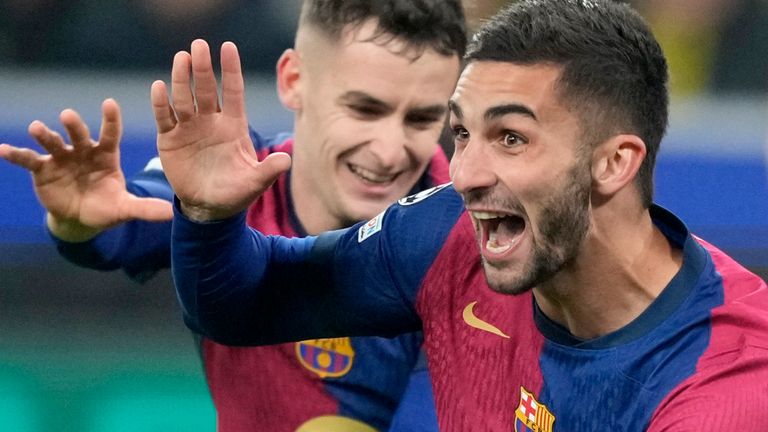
438,168
492,368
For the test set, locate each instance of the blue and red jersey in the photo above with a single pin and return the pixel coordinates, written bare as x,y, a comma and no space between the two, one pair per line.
695,359
281,387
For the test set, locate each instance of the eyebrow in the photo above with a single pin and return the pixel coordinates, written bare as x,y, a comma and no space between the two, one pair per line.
358,97
495,112
430,111
455,108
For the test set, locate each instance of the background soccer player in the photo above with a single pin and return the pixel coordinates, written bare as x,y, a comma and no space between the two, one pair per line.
368,82
554,295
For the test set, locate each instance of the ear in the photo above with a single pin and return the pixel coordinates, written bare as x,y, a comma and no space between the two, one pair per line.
616,162
288,79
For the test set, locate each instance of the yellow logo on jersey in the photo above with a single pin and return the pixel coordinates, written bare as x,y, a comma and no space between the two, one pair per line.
531,416
473,321
332,423
328,358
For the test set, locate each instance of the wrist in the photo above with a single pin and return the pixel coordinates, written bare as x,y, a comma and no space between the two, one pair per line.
202,214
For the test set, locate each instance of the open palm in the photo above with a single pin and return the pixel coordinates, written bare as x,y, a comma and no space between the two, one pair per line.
205,147
81,185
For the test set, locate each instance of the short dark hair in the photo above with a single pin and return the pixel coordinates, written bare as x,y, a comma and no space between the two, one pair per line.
435,24
614,74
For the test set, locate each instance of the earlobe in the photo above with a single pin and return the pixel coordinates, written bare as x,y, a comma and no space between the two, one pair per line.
616,162
288,79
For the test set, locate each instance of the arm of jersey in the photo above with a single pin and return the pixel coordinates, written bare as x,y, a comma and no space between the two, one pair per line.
239,287
730,396
140,248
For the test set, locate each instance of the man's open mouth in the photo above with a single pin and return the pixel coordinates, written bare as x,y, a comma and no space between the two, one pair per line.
499,232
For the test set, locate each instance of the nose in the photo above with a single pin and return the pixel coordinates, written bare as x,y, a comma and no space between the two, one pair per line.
389,145
472,167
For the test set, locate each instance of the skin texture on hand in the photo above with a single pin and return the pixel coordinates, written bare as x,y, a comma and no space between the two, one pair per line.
81,185
204,145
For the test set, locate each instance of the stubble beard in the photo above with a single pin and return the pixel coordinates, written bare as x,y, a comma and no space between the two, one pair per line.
563,226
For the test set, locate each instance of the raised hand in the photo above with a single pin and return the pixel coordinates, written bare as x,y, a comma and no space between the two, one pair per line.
205,147
81,185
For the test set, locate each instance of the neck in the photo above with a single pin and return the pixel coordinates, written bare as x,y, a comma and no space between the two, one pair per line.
308,206
623,265
314,209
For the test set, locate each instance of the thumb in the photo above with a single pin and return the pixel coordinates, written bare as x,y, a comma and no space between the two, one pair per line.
270,169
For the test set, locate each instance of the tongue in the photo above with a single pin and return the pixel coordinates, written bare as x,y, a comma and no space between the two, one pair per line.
502,235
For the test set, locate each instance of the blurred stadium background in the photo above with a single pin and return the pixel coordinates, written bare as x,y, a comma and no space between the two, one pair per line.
88,351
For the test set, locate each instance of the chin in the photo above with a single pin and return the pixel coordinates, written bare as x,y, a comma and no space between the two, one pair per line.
359,213
509,288
365,209
504,282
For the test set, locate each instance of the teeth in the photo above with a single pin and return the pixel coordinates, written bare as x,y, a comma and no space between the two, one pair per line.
370,175
486,215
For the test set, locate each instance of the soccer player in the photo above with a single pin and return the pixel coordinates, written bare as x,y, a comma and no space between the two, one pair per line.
553,294
368,82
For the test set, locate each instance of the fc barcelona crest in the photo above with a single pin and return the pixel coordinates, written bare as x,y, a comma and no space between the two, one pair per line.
531,416
328,358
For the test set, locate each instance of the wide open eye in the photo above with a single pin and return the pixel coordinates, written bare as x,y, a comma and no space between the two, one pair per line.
460,134
513,139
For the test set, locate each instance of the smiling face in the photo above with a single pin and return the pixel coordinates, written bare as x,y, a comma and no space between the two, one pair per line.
522,170
368,116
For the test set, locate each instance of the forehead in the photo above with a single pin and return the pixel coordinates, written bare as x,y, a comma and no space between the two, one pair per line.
484,84
382,66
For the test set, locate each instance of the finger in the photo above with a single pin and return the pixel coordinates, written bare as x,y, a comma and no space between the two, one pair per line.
271,168
78,132
111,125
164,115
205,81
181,90
232,86
148,209
49,139
23,157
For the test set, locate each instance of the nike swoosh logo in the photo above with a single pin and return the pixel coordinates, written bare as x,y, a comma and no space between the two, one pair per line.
473,321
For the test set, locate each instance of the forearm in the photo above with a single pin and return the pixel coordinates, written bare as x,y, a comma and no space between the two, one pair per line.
139,248
226,276
239,287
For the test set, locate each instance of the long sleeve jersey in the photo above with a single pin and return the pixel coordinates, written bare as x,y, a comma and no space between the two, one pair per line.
695,359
